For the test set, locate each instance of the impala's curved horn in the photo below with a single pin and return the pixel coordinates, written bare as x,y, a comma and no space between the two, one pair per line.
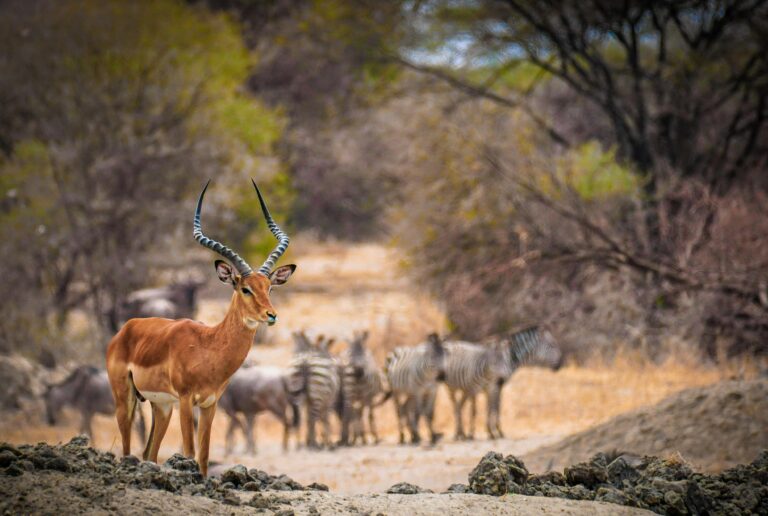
282,238
242,267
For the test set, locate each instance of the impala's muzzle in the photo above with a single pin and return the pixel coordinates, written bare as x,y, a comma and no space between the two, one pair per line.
271,318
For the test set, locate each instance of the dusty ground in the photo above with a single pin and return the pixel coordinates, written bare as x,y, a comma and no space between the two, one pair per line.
59,493
338,289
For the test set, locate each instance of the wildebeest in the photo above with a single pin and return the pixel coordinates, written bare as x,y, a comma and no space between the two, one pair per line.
257,389
413,374
87,390
175,301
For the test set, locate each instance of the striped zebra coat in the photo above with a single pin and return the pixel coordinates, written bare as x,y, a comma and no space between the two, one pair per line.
472,368
531,346
314,377
469,370
361,383
413,374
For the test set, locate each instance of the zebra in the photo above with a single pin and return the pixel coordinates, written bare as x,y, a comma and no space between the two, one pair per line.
413,374
531,346
361,382
472,368
469,370
314,376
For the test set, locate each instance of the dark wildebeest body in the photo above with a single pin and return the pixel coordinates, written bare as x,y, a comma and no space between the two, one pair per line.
175,301
253,390
87,390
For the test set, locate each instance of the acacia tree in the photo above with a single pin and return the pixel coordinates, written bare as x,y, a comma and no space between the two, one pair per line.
114,114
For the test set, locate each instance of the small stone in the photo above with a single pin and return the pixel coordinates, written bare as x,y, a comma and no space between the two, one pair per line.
56,464
586,473
237,475
14,470
7,458
252,486
407,489
130,460
80,440
316,486
458,488
179,462
259,501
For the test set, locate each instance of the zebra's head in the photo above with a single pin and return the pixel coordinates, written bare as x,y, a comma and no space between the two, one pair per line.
536,347
358,354
301,343
436,356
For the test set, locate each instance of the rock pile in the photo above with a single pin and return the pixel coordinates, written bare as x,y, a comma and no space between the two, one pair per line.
177,475
665,486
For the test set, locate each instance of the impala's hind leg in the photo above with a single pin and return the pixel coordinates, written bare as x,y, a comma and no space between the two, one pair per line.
161,416
125,404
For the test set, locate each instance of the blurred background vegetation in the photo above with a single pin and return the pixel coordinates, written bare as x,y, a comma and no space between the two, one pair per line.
595,166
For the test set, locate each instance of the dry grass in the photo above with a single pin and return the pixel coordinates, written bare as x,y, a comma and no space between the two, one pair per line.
339,289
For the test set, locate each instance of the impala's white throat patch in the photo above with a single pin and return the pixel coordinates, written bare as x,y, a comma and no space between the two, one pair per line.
252,324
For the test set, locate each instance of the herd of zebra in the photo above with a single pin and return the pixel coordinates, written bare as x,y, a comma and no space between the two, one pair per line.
352,385
319,384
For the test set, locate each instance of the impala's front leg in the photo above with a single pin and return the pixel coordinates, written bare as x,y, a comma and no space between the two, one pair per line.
187,419
204,436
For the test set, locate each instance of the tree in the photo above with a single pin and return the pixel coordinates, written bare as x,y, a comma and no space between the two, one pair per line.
114,115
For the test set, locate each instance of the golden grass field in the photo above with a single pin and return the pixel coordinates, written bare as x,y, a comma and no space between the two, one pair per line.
338,289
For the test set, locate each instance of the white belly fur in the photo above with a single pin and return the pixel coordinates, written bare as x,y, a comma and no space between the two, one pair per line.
162,398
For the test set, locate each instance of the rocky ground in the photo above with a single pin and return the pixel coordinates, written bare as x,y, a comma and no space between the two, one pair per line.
74,478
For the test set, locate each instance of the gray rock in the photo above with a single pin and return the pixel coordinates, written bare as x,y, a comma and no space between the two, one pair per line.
589,474
458,488
407,489
7,458
179,462
237,475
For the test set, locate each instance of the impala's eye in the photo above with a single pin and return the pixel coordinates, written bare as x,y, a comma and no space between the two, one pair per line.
246,291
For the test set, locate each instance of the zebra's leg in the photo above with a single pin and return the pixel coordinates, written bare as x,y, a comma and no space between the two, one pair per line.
399,410
490,422
311,423
359,428
372,425
327,430
456,415
429,412
497,411
413,409
472,416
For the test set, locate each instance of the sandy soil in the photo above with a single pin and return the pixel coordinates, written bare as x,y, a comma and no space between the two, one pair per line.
338,289
59,493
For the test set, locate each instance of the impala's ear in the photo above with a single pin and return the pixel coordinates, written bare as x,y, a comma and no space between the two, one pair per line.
225,272
281,274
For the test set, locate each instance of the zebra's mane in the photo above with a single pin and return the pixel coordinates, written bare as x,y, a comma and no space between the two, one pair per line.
524,344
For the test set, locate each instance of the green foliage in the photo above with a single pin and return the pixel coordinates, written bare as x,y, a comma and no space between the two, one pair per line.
596,174
115,113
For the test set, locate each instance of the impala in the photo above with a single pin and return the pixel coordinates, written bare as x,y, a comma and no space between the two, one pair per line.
182,361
